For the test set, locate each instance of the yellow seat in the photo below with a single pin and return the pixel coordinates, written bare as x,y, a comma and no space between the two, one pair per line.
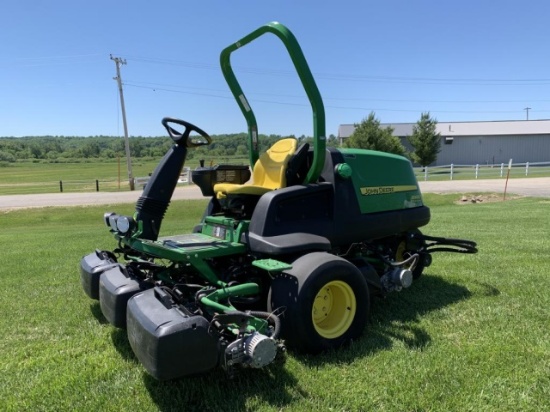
268,174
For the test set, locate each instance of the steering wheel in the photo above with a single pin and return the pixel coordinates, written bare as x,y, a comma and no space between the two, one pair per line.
182,138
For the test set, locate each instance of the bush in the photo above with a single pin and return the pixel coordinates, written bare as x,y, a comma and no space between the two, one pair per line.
6,157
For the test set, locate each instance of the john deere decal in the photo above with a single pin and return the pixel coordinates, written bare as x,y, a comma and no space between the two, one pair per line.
386,190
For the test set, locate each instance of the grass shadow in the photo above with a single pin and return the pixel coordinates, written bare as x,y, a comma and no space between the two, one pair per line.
484,289
396,317
118,336
95,308
393,318
214,391
122,345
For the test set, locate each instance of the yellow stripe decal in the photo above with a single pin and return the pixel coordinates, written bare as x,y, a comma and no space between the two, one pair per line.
386,190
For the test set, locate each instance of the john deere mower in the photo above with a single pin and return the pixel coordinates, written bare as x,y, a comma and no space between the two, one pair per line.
290,259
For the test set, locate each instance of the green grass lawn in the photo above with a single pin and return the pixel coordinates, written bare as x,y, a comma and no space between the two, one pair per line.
471,335
27,177
44,177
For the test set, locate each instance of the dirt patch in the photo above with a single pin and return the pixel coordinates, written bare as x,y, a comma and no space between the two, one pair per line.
467,199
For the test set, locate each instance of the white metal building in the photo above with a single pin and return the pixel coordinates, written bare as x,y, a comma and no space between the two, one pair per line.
467,143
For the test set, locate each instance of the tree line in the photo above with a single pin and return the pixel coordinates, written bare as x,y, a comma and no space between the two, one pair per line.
68,148
73,148
367,135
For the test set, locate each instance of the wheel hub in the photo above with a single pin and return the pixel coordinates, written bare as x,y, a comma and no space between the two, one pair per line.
333,309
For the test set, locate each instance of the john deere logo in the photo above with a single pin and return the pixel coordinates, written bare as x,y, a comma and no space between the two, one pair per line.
386,190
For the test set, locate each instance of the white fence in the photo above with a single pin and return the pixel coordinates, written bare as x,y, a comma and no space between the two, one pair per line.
452,171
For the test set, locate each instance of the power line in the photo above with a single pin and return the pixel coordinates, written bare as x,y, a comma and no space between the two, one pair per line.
328,106
45,60
136,83
176,91
348,77
357,77
73,56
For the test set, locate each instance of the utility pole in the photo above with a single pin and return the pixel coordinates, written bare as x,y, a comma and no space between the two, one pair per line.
118,62
527,110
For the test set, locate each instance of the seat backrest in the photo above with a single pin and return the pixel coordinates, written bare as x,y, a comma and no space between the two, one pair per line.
270,169
298,166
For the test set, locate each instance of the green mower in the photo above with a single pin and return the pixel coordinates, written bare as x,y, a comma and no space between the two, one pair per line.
291,259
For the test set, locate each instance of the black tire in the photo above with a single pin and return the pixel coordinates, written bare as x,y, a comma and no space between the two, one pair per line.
323,301
409,244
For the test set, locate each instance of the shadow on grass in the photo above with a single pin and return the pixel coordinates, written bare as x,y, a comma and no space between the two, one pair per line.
396,317
393,318
118,336
216,392
484,289
122,345
96,312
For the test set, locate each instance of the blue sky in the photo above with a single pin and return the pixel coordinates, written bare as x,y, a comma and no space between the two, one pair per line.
461,60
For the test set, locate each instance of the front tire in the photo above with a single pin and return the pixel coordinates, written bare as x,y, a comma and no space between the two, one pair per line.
324,301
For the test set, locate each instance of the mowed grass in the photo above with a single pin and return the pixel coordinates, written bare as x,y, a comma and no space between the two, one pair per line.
27,177
471,335
43,177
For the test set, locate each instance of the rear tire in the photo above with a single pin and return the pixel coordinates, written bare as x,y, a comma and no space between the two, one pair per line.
324,301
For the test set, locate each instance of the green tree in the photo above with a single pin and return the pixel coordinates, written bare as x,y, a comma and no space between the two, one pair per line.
425,140
332,141
35,149
90,149
369,135
6,157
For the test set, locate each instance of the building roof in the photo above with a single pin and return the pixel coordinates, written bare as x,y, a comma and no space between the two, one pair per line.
495,128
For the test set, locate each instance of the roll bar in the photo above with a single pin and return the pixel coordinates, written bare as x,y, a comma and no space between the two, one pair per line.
310,87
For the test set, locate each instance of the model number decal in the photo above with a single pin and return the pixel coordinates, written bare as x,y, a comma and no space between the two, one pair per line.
386,190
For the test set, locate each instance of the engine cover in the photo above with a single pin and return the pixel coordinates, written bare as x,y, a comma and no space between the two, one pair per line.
169,343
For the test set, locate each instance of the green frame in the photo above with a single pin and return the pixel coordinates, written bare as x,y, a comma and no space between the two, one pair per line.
308,82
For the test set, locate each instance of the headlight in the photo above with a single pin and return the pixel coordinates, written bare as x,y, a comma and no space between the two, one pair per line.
124,224
112,221
106,219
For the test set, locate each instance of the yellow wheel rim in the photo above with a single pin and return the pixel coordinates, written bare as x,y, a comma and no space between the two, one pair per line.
333,309
400,252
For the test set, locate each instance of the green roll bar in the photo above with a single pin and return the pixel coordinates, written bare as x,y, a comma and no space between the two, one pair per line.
310,87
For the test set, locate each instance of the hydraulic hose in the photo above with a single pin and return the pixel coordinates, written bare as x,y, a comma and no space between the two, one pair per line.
258,320
272,319
441,244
